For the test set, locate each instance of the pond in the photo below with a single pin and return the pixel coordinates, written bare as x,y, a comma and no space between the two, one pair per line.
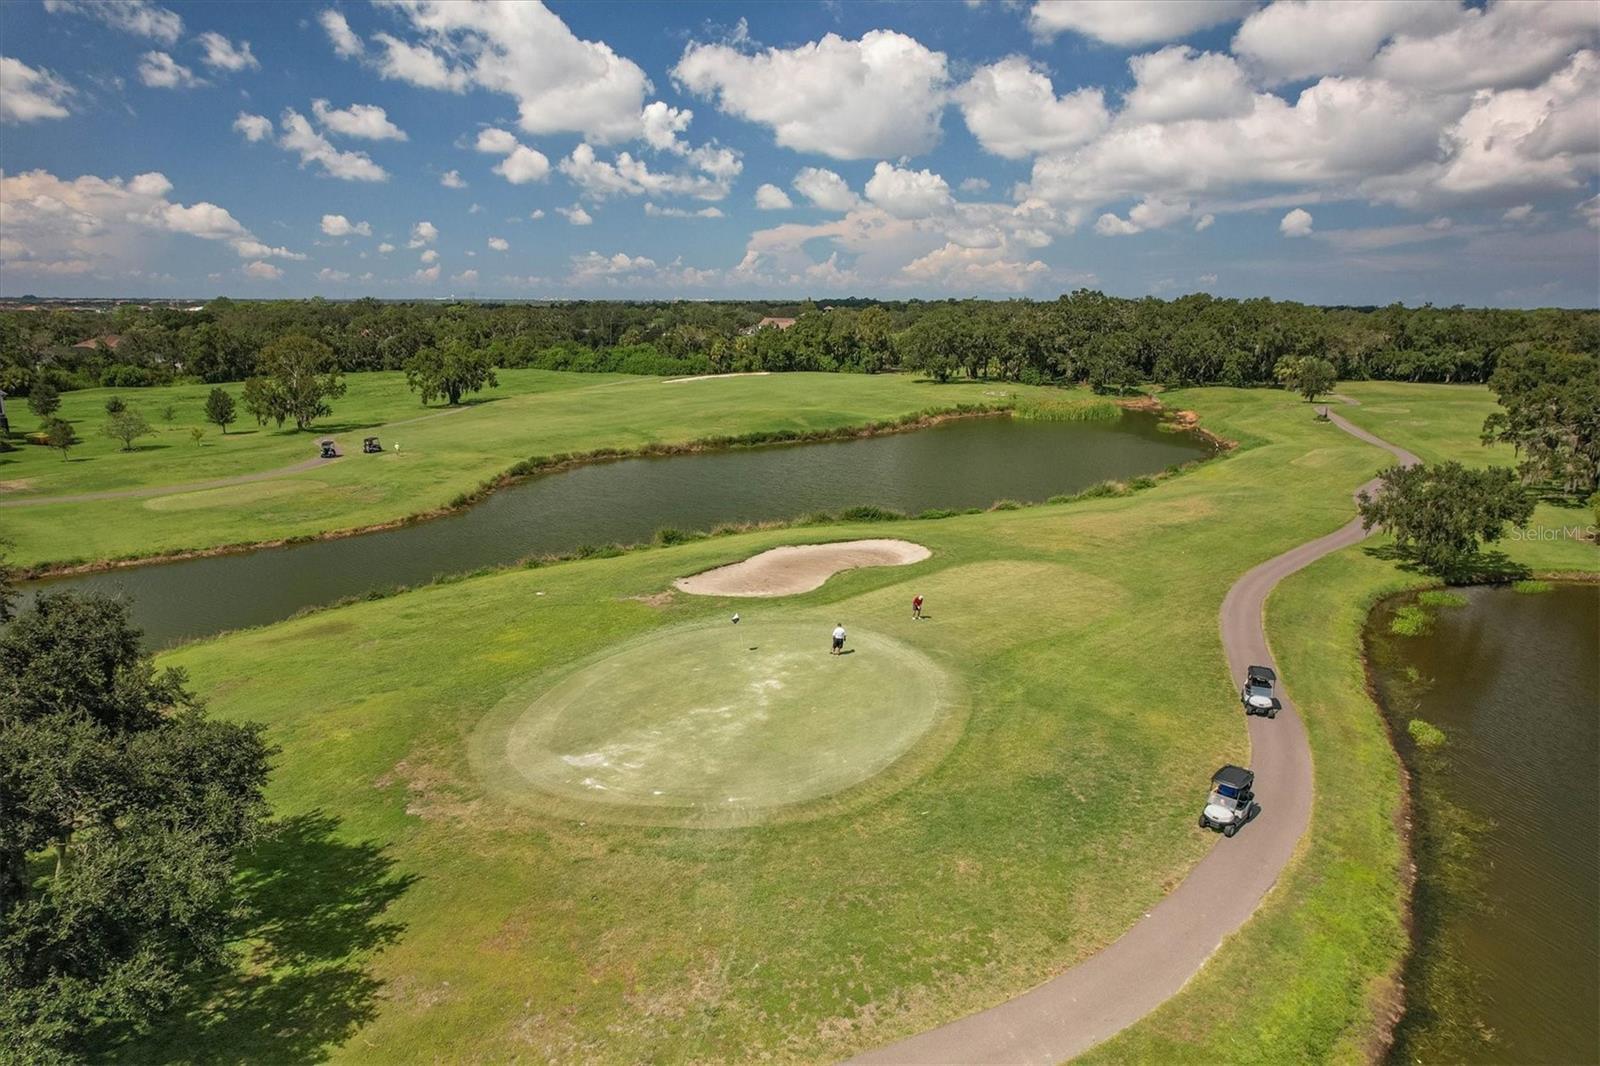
964,463
1506,822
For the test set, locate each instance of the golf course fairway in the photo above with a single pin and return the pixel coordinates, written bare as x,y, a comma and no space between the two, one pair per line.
411,909
721,724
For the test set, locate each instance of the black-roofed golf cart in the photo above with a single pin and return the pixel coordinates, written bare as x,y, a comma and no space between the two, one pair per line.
371,446
328,450
1259,694
1231,803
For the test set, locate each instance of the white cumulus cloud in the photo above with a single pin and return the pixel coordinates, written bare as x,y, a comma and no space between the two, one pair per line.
160,71
343,38
881,95
364,121
1132,22
907,193
1296,223
254,127
223,54
499,244
30,94
339,226
771,198
312,147
561,84
1178,83
824,188
1013,110
138,17
423,233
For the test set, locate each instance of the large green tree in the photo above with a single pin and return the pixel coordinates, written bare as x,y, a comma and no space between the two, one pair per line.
122,806
450,370
1551,416
1440,513
220,408
1309,375
304,376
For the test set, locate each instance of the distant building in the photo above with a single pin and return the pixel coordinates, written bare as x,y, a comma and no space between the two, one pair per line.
109,342
768,323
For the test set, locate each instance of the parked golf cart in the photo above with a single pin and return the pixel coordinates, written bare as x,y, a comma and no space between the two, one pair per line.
1259,695
328,450
1231,803
371,446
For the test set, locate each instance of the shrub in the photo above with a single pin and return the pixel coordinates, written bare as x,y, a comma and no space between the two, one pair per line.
1005,505
1054,409
868,513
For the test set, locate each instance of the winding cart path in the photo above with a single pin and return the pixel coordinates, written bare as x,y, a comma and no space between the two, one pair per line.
1116,987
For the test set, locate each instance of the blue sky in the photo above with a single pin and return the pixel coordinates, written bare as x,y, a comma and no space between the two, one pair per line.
1328,152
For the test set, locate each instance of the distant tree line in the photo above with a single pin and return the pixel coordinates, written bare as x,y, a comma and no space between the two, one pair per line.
1084,336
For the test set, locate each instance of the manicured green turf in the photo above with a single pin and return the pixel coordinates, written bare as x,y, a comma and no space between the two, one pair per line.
716,724
443,452
412,914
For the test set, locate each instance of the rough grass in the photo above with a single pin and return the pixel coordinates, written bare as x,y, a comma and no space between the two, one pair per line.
1085,636
446,455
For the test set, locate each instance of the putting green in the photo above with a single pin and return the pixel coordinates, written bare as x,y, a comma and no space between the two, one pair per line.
718,725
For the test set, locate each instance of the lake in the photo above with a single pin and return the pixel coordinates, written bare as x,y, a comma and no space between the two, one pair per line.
969,462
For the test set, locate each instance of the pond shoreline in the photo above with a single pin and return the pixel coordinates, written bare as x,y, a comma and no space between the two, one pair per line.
1182,421
1391,1004
1397,1003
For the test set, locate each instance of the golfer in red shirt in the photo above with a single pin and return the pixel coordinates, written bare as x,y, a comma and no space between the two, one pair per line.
916,607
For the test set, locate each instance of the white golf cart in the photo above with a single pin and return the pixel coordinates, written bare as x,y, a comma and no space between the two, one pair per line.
1231,803
1259,694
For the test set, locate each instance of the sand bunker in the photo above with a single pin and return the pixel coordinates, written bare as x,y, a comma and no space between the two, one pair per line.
715,377
800,568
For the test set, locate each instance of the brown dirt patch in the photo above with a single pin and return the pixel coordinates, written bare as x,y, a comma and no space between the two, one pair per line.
793,569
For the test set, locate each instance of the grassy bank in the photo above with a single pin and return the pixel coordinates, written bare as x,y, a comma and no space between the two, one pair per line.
445,454
1313,977
408,914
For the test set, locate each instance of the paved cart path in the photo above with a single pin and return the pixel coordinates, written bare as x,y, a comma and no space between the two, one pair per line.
1116,987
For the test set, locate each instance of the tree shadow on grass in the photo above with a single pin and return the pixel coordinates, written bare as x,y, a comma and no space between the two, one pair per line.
316,915
1482,568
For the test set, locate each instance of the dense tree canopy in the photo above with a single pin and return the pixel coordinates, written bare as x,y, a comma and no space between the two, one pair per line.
1441,513
1082,336
112,766
1551,415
